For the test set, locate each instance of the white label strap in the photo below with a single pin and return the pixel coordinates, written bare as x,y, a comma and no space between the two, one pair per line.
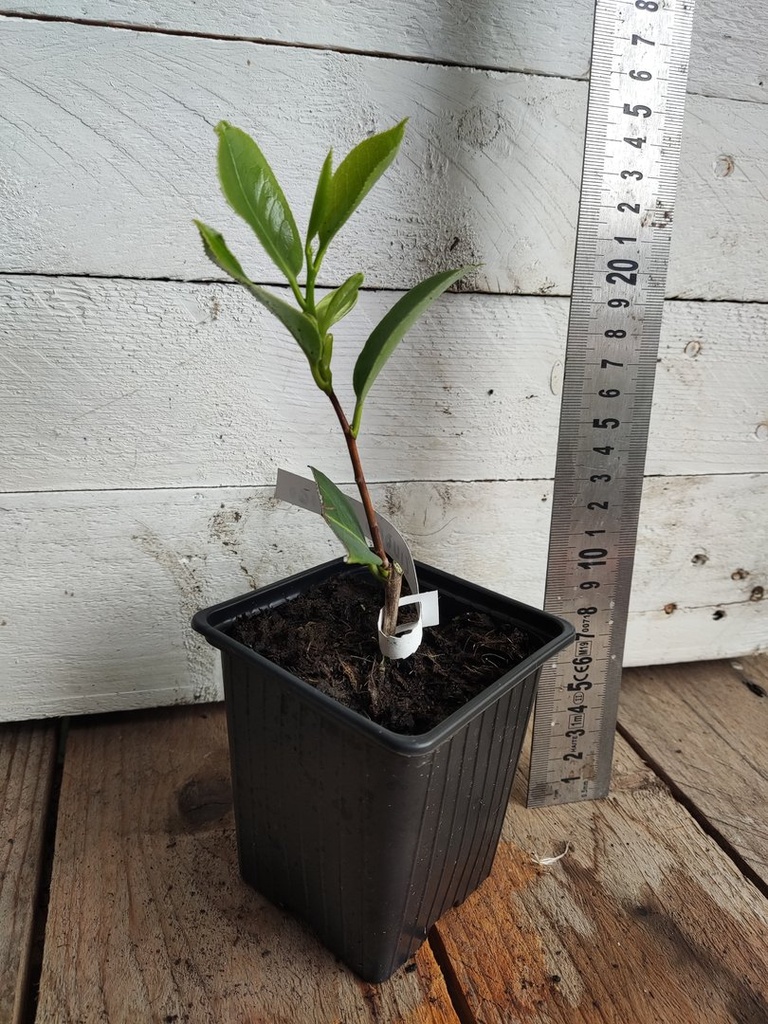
299,491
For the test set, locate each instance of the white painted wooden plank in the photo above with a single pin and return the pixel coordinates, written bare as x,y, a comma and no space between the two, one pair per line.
125,120
109,155
99,587
729,51
142,384
150,384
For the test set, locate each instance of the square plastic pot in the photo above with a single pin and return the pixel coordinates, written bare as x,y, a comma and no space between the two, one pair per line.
366,834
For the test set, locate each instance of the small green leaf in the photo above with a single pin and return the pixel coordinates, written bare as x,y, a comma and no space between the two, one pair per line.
340,516
385,336
320,204
338,303
217,251
251,189
302,327
355,176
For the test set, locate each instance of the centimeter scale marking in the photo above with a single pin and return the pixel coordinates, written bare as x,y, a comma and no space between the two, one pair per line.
637,85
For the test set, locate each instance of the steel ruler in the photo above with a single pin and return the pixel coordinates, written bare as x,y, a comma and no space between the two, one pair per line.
639,68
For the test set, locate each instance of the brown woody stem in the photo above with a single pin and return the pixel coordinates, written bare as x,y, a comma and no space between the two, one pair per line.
392,586
391,571
362,486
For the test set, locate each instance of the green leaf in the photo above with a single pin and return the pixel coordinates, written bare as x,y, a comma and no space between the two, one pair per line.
251,189
217,251
338,303
355,176
303,328
385,336
340,516
320,204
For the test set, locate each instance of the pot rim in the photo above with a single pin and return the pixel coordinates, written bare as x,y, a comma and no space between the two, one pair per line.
211,622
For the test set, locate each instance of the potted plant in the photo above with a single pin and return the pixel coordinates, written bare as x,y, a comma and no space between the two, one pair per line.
354,808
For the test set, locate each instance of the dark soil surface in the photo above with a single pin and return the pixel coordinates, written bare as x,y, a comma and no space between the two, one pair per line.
327,637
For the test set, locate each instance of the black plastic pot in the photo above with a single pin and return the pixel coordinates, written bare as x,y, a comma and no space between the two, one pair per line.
365,834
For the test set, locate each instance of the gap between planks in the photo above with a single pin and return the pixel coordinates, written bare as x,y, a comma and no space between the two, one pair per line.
645,920
28,776
266,41
704,731
381,54
384,289
148,918
645,915
696,813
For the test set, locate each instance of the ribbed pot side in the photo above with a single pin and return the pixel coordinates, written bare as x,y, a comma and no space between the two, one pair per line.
367,835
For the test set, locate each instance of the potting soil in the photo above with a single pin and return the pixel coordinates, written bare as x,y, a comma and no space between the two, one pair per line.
327,637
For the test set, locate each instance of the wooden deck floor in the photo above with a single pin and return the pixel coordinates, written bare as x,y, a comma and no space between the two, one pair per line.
120,899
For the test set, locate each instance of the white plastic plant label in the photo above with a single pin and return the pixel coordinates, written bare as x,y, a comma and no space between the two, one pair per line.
408,636
299,491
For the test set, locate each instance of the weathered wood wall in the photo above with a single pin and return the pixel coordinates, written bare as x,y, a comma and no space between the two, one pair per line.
146,404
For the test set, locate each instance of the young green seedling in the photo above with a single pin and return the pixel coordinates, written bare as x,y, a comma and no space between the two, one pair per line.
252,190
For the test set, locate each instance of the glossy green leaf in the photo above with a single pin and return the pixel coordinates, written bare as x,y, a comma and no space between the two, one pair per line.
340,516
386,335
251,189
303,328
355,176
320,203
338,303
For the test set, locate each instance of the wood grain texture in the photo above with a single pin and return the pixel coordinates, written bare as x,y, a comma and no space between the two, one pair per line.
706,728
489,172
729,51
141,385
27,756
149,920
121,573
644,920
753,672
149,384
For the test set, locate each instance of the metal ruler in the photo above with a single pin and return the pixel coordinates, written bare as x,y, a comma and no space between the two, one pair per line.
638,75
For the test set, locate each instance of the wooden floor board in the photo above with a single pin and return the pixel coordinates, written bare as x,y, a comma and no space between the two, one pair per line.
148,919
706,728
27,761
644,921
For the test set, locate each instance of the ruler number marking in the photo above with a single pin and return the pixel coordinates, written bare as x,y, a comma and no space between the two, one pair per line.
639,63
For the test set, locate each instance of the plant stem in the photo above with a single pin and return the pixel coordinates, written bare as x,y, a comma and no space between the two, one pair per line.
362,486
297,294
392,586
390,571
310,284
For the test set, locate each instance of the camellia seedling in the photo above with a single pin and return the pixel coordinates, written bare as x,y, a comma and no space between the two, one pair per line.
252,190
